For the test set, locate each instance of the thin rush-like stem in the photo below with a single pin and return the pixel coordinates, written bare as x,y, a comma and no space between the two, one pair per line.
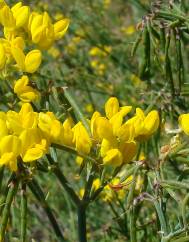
23,214
132,224
73,151
161,217
1,176
63,181
77,110
6,210
81,205
82,231
38,193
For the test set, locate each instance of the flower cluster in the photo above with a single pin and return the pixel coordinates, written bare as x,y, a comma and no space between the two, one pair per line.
22,26
114,136
28,134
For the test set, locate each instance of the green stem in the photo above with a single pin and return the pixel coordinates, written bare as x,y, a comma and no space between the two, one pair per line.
132,218
81,213
6,211
73,151
63,181
183,209
38,193
23,213
1,176
161,217
77,110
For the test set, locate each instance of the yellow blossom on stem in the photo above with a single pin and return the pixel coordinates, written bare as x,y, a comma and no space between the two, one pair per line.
25,92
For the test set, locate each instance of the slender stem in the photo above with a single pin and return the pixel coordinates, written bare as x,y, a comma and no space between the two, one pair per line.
23,214
77,110
89,184
161,218
38,193
81,212
183,209
1,176
73,151
63,181
6,210
132,224
5,192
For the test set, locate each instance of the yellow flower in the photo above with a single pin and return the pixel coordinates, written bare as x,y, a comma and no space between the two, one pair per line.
81,139
10,147
111,107
128,151
6,17
20,14
50,126
25,119
24,91
144,126
29,63
107,145
34,145
113,157
44,32
66,134
184,123
60,28
102,129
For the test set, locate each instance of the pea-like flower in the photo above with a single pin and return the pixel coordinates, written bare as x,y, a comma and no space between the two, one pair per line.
25,92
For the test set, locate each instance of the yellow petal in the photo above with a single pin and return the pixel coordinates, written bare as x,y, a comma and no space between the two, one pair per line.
6,17
102,129
61,27
151,122
184,122
128,151
32,154
113,157
111,107
33,61
2,56
21,15
20,84
19,57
